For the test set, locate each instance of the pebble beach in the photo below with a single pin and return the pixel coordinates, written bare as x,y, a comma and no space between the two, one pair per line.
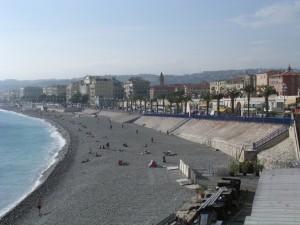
87,186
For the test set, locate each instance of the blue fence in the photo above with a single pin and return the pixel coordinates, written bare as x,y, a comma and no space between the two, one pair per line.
284,121
168,115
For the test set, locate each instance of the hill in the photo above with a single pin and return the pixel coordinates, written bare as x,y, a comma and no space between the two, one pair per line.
208,76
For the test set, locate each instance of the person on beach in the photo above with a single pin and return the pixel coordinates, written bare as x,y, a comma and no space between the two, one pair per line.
39,205
137,131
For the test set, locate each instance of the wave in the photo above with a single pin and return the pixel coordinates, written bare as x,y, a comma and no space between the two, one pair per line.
50,158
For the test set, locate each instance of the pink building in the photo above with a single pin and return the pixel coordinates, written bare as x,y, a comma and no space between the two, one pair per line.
286,83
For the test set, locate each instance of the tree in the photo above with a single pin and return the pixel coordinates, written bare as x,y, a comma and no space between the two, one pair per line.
248,89
156,100
178,97
266,91
75,98
78,98
232,93
171,100
186,99
135,100
163,97
206,97
151,103
218,97
85,99
140,99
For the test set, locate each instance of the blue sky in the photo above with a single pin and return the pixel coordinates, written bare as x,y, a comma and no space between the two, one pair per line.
41,39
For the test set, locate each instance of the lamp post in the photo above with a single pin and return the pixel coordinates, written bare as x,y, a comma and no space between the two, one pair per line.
284,88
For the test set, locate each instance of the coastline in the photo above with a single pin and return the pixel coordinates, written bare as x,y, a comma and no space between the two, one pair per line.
100,192
20,207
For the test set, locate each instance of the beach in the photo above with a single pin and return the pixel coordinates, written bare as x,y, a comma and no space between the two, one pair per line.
87,186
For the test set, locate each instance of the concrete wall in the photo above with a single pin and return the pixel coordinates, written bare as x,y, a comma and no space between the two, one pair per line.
226,136
274,141
293,135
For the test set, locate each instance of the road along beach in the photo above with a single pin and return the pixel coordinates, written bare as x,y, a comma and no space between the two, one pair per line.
87,186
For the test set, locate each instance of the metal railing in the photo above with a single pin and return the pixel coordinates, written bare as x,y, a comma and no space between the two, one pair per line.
270,137
167,220
179,125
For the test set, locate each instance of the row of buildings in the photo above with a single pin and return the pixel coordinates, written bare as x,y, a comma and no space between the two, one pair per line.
99,88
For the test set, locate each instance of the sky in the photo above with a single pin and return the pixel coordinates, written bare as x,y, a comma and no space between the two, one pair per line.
63,39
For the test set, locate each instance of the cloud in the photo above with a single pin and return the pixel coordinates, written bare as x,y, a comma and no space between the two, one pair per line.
278,13
260,42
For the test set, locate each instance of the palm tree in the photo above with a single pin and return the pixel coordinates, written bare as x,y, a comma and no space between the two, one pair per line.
206,97
151,104
140,99
171,100
178,97
135,104
248,89
156,100
186,99
266,91
163,97
232,94
218,97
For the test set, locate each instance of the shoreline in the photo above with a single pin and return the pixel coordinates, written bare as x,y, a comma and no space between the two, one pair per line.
100,191
54,160
31,197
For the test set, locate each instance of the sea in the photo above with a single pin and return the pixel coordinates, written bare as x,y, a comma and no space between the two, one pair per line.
28,147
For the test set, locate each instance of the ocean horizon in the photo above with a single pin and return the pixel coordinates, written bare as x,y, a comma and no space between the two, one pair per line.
28,147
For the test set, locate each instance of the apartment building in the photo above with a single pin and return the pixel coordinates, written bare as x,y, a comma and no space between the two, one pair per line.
286,83
196,90
55,90
31,92
136,87
71,89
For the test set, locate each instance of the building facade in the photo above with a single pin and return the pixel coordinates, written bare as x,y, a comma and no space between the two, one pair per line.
136,87
71,89
103,88
286,83
55,90
31,92
262,79
217,86
196,90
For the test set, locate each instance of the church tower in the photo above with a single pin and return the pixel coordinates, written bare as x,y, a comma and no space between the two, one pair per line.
161,79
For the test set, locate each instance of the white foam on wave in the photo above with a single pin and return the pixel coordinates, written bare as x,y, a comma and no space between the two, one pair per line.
56,146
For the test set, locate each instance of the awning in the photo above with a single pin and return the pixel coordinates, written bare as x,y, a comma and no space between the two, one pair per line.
291,101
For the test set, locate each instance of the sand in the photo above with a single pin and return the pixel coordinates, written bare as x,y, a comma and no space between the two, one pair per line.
100,191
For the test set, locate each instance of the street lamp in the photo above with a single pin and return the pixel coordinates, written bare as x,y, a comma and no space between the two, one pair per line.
284,88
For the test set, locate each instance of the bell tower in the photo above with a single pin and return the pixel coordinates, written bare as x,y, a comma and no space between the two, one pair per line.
161,79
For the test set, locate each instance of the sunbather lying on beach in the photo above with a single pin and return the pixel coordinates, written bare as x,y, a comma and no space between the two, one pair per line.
122,163
169,153
85,161
145,153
